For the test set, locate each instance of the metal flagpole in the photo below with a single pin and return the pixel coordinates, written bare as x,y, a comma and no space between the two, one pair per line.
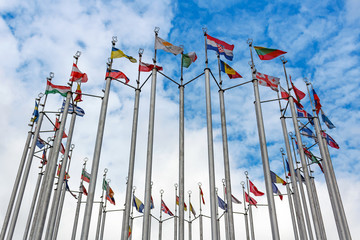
217,214
229,219
302,158
77,212
175,218
146,220
200,216
190,208
96,157
57,194
100,206
264,153
297,201
290,194
160,221
226,212
302,194
245,213
250,209
104,213
131,214
25,176
18,176
129,186
213,200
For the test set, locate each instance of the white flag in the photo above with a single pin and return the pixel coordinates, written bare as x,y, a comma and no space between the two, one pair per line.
166,46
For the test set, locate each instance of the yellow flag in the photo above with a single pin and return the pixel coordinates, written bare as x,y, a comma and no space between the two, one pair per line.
117,53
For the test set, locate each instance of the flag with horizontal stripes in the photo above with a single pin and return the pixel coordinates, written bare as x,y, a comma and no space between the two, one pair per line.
78,110
52,88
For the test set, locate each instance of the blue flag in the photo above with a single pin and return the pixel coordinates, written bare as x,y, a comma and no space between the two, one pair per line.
326,120
222,204
305,131
35,113
40,143
138,204
78,110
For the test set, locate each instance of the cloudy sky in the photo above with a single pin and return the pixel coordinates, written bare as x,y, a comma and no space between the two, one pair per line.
322,42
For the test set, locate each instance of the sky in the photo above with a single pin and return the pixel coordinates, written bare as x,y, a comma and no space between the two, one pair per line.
322,41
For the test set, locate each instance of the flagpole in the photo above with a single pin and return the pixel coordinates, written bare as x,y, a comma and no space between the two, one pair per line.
96,157
297,201
160,221
302,158
149,155
226,212
131,214
100,206
264,153
290,195
104,213
130,182
214,228
200,216
78,205
175,218
245,213
229,219
25,176
217,214
190,208
249,208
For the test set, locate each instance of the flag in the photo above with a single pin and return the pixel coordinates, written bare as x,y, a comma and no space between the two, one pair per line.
138,204
221,47
222,204
117,53
192,210
302,113
229,71
51,88
166,46
116,74
234,199
78,110
268,53
313,158
40,143
317,102
109,192
129,232
286,96
165,209
299,94
177,203
301,176
254,189
188,58
288,167
268,81
84,190
68,189
326,120
85,176
330,141
57,127
35,113
151,203
78,94
202,195
276,191
67,176
62,149
250,200
44,160
276,179
305,131
77,75
146,67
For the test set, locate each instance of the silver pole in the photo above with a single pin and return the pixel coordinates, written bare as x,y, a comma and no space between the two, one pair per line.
200,216
226,213
250,209
190,231
78,205
160,221
175,218
264,153
303,160
96,158
318,209
100,206
104,216
131,215
129,186
245,213
147,210
297,201
217,214
289,194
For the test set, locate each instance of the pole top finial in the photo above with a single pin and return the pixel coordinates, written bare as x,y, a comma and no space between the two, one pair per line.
189,192
291,134
72,146
223,180
77,54
106,170
161,191
246,173
199,183
40,95
249,41
156,30
51,75
141,51
152,183
108,180
282,150
242,183
306,80
134,188
86,159
114,40
49,139
204,30
283,59
175,185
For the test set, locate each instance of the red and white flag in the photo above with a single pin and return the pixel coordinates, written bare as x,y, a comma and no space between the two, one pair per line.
146,67
77,75
250,200
268,81
254,189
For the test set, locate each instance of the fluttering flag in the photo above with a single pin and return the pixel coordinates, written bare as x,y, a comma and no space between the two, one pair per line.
254,189
84,190
222,204
43,158
326,120
78,110
51,88
221,47
312,158
109,192
138,204
188,58
301,176
67,176
276,179
268,81
151,203
268,53
116,74
147,67
166,46
250,200
117,53
305,131
68,189
202,195
276,191
62,149
192,209
78,94
57,127
299,94
330,141
165,209
77,75
317,102
302,113
234,199
129,232
224,67
285,95
35,113
177,203
40,143
85,176
287,167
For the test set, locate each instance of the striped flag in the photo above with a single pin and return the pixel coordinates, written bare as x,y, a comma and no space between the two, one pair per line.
276,179
85,176
276,191
221,47
177,203
77,75
192,209
250,200
78,110
268,53
202,195
51,88
222,204
166,46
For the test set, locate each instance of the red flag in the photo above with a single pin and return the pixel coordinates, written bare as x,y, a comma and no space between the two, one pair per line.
67,176
77,75
84,190
116,74
299,94
285,95
268,81
202,195
62,149
317,102
146,67
57,127
254,189
250,200
44,160
177,203
78,94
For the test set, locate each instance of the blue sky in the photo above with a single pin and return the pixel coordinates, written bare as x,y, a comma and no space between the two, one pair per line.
321,39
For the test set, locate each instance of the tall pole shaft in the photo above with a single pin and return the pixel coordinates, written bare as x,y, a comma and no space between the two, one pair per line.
245,214
175,217
318,209
190,222
252,230
101,207
200,215
103,222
